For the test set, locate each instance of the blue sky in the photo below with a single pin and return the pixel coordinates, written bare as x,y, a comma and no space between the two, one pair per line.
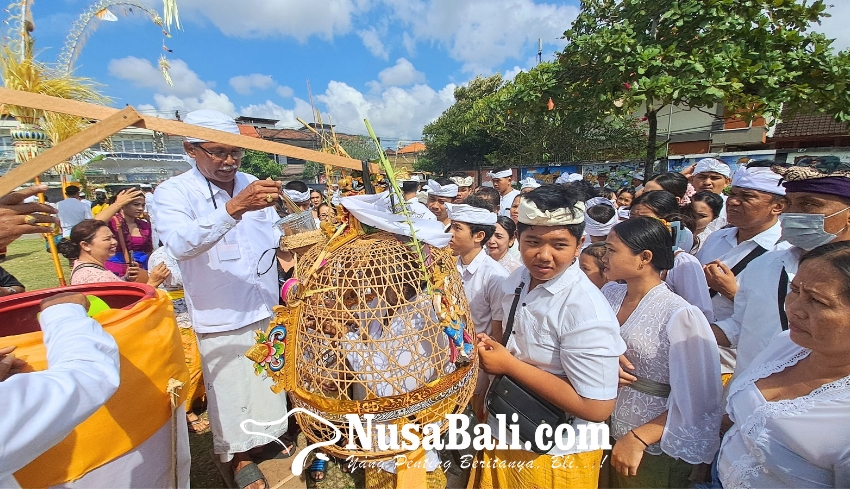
393,61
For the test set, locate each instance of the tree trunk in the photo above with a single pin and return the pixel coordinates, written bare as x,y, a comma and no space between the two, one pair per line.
651,143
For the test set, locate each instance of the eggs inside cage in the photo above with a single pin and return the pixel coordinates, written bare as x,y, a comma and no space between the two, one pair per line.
378,332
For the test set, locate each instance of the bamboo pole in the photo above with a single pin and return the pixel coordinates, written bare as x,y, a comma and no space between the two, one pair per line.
51,245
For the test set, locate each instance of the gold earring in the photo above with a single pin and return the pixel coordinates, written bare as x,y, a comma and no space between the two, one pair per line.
640,267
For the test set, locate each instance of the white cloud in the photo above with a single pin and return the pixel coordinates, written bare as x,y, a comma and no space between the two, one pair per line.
206,100
401,74
285,91
245,84
409,44
836,26
261,18
512,73
372,40
394,113
286,117
483,34
141,73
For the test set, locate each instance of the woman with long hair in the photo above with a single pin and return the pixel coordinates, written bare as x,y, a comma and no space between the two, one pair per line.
125,218
668,408
686,277
706,207
90,245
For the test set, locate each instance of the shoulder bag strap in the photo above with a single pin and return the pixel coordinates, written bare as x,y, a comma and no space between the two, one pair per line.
781,293
741,265
509,328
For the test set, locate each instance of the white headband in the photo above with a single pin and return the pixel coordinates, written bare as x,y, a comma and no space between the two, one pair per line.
211,119
449,190
296,196
502,174
531,215
463,181
712,165
623,213
762,179
471,214
596,228
597,201
529,182
569,178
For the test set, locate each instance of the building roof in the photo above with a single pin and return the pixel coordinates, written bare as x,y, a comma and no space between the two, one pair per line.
412,148
252,120
247,130
289,134
808,125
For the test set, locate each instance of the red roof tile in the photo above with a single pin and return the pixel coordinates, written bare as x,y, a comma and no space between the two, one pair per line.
290,134
412,148
807,125
247,130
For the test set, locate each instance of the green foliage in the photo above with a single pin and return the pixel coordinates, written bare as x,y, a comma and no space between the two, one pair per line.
311,170
753,55
360,148
261,165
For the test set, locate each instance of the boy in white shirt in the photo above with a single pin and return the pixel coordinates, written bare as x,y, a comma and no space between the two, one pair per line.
564,347
472,226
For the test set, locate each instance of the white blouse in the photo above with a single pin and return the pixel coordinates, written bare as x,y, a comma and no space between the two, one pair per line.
510,262
669,341
791,443
687,279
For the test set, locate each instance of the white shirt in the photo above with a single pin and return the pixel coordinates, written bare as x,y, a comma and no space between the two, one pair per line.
566,327
670,341
41,408
219,256
755,319
482,283
718,223
71,212
149,208
506,203
792,443
510,262
687,279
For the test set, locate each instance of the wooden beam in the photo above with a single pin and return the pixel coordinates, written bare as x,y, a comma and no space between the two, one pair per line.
99,112
66,149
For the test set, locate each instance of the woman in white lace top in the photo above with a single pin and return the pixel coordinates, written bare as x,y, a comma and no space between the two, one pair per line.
667,416
791,406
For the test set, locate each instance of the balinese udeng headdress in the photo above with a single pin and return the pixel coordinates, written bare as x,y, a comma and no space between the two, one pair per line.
529,182
712,165
463,181
210,119
471,214
759,178
448,191
529,214
816,175
594,227
501,174
296,196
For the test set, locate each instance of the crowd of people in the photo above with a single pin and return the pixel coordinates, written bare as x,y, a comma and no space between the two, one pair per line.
701,315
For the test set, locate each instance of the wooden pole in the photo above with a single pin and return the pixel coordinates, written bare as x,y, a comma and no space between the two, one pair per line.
51,245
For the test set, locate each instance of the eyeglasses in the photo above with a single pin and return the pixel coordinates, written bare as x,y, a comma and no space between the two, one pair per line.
236,154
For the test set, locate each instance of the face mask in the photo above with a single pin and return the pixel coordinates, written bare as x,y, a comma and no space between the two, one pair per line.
806,230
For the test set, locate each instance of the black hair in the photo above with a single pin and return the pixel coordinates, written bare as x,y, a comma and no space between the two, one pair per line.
444,181
72,191
487,229
490,195
554,197
628,189
673,182
836,254
507,223
584,189
761,163
297,185
711,199
601,213
323,204
597,251
84,231
647,234
661,202
410,186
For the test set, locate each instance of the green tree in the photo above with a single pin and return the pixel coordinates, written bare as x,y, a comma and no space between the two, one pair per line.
753,56
261,165
311,170
360,147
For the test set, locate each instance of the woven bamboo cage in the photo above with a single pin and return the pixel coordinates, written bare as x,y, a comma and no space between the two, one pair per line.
373,337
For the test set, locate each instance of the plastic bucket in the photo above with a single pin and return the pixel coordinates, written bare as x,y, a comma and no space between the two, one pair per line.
297,223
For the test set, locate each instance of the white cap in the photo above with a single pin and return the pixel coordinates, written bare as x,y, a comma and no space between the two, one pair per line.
449,190
471,214
502,174
296,196
466,181
529,182
712,165
762,179
211,119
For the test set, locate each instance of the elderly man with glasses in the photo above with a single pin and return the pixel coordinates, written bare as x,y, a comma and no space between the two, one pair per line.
218,223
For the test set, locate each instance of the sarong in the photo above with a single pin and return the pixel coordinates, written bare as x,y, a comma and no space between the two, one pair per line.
510,469
194,388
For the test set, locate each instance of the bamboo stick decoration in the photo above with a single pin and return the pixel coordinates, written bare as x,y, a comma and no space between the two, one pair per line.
51,245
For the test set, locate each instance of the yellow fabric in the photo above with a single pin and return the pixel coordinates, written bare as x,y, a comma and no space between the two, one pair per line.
175,294
151,354
490,470
194,388
376,478
411,474
725,378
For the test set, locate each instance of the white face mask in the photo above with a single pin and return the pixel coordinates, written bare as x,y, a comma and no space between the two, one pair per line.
806,231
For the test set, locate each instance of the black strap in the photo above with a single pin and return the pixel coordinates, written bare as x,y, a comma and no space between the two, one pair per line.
783,291
741,265
509,328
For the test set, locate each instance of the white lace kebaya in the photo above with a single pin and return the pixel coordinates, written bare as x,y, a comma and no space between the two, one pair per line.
791,443
669,341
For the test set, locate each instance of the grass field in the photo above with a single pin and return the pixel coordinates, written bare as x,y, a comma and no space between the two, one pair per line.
27,260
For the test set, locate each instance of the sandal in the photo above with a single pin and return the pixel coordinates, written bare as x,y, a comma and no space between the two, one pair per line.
248,475
276,451
198,425
318,469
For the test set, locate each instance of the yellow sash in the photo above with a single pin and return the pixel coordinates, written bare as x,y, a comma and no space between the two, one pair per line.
175,294
151,354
